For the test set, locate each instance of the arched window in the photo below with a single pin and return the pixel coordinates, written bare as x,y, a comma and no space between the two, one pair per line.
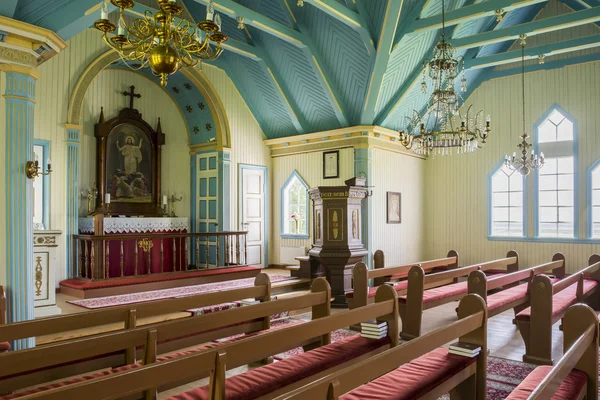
294,208
593,203
556,197
506,200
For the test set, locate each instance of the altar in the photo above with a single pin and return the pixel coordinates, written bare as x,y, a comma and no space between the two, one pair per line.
159,252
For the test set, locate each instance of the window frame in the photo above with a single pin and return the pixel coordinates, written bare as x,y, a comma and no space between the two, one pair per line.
283,206
590,206
45,144
490,193
573,153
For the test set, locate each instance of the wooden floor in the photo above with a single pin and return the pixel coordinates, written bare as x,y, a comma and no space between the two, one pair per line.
504,340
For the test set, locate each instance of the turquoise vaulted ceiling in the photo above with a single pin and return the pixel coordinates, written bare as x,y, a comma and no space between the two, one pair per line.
337,63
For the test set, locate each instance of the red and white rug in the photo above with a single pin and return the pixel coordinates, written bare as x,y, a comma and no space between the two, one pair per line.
184,291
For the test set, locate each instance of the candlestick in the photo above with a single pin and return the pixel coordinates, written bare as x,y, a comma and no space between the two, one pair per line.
210,12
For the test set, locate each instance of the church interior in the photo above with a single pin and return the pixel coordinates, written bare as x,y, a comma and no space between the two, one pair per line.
300,199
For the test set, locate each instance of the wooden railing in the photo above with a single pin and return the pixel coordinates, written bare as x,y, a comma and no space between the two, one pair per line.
115,256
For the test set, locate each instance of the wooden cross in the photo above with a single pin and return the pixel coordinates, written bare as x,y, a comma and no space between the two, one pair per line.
131,95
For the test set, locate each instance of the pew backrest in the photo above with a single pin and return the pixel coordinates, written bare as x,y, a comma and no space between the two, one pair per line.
471,328
242,351
22,361
2,307
122,314
380,271
580,344
480,284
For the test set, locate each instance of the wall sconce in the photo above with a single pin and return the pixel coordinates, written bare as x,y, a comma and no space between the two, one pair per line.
499,15
32,169
241,23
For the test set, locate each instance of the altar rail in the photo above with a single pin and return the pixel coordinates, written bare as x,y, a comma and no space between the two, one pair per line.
115,256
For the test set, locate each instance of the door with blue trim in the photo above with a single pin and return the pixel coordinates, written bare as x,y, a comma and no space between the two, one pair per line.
208,213
253,213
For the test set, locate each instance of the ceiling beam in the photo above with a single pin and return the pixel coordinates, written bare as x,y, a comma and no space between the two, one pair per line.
413,16
343,14
551,49
548,65
257,20
8,7
537,27
382,57
468,13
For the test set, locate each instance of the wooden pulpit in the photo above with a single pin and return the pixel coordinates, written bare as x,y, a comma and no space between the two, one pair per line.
337,242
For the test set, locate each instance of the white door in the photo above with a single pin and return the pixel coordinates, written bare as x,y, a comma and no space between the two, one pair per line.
252,216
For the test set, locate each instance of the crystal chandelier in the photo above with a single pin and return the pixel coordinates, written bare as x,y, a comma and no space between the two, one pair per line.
442,129
524,164
161,41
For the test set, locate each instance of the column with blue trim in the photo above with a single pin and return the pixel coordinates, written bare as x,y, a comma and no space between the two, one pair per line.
19,104
363,168
73,134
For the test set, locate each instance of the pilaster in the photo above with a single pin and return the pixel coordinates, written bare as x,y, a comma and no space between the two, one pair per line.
363,168
73,134
19,105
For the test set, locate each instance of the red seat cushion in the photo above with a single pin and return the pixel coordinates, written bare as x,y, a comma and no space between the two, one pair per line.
569,389
562,300
413,380
266,379
440,292
506,296
69,382
4,346
398,286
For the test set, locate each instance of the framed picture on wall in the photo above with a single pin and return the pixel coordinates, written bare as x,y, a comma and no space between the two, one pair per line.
331,164
393,208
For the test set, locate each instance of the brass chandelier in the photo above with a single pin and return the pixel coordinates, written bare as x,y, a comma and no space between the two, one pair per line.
442,129
161,40
527,161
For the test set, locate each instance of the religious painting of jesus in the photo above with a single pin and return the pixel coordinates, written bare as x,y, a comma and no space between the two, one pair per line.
129,165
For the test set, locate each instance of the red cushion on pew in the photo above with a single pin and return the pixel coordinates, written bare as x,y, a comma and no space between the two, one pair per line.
568,390
440,292
413,380
4,346
562,300
398,286
506,296
69,382
266,379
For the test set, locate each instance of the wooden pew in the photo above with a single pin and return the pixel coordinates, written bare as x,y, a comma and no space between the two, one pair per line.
19,362
417,299
392,372
128,316
244,351
515,295
575,376
362,294
549,300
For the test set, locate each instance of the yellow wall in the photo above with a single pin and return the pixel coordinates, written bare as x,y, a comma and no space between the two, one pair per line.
456,200
310,167
394,172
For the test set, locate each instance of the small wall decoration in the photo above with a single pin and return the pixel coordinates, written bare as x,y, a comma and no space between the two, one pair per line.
393,208
331,164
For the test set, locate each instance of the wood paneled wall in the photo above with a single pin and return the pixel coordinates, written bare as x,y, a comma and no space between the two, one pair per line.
456,193
395,172
310,167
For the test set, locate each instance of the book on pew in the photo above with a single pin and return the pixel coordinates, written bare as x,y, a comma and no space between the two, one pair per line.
390,283
373,323
373,335
249,302
373,330
465,349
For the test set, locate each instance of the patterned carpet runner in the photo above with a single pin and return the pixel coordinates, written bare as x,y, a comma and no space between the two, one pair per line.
185,291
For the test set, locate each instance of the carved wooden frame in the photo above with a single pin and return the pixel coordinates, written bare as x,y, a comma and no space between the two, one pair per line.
156,138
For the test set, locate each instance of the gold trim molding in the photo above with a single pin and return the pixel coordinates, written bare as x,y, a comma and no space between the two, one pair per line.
35,35
362,136
20,57
20,69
